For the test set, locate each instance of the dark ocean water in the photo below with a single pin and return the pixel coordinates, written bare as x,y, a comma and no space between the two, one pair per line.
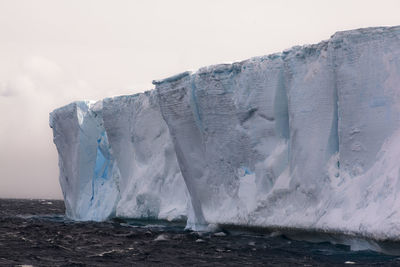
35,232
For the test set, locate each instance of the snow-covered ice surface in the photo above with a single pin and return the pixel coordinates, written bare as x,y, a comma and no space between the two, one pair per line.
308,138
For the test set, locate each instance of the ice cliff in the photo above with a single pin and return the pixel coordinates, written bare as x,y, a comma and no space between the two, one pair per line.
116,158
307,138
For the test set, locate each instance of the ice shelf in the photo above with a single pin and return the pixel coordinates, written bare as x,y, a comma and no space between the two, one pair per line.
307,138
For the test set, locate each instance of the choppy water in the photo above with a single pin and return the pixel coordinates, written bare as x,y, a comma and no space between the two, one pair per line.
35,232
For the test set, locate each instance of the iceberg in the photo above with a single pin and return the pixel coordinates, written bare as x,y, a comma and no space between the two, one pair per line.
308,138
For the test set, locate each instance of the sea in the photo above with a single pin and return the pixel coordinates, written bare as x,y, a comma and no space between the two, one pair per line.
37,233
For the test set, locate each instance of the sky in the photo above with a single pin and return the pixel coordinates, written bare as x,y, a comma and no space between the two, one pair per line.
53,52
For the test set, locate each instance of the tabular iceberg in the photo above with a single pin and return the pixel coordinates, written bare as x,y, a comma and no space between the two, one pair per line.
307,138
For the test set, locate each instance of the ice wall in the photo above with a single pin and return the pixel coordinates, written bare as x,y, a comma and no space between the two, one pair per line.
367,74
229,124
116,158
88,172
366,193
296,139
151,184
306,138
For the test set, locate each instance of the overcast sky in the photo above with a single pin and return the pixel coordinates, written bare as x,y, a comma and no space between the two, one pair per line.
53,52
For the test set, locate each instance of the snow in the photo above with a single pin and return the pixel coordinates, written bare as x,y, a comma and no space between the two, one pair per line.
307,138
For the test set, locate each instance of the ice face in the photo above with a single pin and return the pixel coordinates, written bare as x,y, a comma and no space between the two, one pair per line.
117,159
312,109
230,128
175,100
367,75
151,183
306,138
88,172
275,140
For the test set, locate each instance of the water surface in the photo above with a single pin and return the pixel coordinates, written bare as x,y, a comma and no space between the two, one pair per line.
36,232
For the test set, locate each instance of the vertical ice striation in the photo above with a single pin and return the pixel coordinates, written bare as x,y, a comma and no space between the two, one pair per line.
313,128
230,128
367,74
244,118
306,138
88,172
178,104
261,102
64,122
116,158
263,140
151,183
